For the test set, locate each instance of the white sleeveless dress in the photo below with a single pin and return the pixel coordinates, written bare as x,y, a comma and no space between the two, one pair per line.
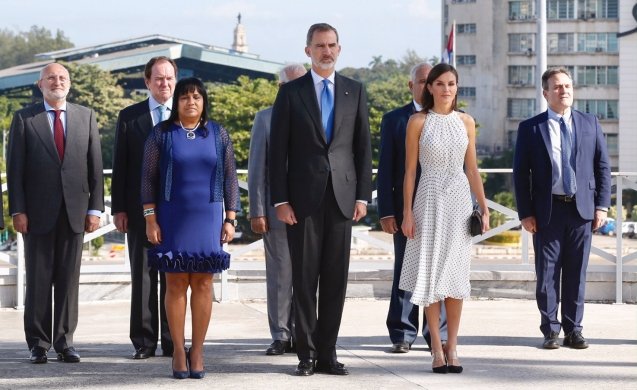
436,263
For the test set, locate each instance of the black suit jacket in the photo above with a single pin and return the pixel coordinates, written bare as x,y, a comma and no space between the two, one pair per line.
134,123
39,183
302,161
391,164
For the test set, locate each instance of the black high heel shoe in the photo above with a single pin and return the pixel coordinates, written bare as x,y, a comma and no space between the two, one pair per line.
439,357
451,357
194,374
181,374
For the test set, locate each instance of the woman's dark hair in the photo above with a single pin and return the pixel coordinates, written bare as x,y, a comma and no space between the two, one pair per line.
437,71
184,86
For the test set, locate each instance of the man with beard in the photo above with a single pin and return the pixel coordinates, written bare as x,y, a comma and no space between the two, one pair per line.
320,182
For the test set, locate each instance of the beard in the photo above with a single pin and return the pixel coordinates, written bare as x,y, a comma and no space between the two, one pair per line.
325,63
57,94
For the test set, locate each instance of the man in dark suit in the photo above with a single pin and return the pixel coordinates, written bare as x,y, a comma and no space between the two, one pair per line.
56,193
133,126
278,265
402,318
562,184
320,179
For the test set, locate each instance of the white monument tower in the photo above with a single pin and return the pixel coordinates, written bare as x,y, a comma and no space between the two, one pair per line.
240,43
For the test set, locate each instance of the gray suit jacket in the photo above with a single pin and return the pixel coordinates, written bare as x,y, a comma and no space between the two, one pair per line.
258,170
39,183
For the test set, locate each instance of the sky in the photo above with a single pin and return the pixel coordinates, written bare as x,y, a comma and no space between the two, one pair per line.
275,28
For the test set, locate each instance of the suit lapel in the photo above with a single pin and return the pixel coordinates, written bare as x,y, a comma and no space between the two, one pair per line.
308,96
544,131
341,99
42,128
145,120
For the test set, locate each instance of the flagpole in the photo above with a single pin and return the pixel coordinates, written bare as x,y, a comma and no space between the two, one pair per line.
453,44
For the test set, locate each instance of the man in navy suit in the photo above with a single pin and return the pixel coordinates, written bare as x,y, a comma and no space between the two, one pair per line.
402,318
562,184
133,126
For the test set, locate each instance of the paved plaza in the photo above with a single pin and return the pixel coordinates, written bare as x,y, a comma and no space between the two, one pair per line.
499,348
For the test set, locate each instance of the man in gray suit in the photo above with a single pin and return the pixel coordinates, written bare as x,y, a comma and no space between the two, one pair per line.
278,266
320,177
56,193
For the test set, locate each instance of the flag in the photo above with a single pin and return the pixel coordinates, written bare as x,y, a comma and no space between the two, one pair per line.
449,55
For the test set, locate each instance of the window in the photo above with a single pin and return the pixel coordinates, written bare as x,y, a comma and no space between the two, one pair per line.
512,136
521,75
462,1
466,60
560,9
603,109
521,43
597,42
467,92
520,108
466,28
521,10
612,144
595,75
592,9
561,42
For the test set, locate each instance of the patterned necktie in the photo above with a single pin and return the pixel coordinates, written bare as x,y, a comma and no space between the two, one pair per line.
568,171
327,110
58,133
163,112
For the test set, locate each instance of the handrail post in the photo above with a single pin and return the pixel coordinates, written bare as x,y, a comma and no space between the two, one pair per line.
19,277
619,239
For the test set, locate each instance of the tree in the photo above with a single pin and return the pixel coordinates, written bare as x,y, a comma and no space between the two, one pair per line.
98,89
21,48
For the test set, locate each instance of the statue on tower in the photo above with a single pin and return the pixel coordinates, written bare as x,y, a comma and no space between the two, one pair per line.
240,43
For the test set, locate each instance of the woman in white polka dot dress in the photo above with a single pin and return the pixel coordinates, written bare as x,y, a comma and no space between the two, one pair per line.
437,256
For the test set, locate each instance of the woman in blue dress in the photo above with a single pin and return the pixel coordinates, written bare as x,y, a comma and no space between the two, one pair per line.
189,181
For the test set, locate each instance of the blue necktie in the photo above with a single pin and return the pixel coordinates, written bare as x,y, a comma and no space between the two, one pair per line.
327,110
568,171
163,112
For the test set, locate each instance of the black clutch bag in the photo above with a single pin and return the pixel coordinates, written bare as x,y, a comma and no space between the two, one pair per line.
475,222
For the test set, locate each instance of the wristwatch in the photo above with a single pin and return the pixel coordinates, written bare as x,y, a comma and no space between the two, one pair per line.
232,222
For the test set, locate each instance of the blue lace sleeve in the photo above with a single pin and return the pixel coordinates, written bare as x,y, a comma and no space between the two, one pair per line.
230,181
150,167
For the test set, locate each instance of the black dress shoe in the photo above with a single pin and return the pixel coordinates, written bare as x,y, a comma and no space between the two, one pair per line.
550,341
575,340
38,355
144,353
279,347
332,368
401,347
69,355
305,368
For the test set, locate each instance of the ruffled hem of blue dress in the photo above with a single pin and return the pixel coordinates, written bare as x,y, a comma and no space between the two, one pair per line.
189,262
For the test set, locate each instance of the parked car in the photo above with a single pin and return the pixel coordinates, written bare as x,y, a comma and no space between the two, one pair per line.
608,229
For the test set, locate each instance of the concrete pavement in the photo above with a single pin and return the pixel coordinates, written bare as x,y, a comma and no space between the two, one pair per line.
499,347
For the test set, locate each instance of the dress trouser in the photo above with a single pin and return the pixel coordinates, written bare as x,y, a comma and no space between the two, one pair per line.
52,260
319,246
278,274
146,309
562,249
402,317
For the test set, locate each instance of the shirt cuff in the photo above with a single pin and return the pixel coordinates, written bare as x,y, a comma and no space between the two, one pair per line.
604,209
387,216
279,204
96,213
362,201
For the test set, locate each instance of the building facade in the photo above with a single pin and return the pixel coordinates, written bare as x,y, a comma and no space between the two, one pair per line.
496,60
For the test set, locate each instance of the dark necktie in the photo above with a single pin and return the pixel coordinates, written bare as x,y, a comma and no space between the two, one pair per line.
327,110
568,170
58,134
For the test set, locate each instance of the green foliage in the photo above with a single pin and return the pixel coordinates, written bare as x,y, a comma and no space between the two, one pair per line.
498,182
96,244
508,237
20,48
496,218
234,107
98,89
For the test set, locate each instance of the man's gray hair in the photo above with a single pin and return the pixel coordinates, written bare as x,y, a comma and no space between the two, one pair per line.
290,72
416,68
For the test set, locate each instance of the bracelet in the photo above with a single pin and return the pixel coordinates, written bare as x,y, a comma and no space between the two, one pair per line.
148,212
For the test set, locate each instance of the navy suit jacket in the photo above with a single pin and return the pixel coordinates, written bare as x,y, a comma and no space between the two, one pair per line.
533,172
391,164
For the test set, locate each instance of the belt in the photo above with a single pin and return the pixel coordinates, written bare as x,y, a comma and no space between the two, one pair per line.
564,198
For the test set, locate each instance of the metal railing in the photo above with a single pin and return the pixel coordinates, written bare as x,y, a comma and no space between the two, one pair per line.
621,182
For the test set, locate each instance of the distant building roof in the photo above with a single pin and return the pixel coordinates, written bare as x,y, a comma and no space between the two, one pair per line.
210,63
